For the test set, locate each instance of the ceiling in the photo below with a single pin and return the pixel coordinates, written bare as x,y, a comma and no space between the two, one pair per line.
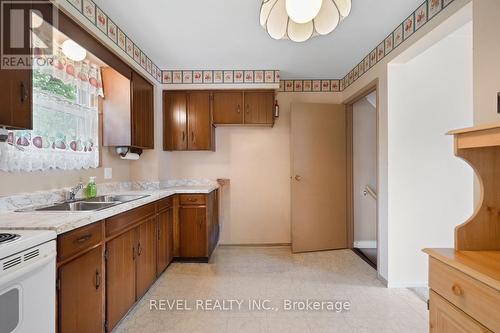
225,34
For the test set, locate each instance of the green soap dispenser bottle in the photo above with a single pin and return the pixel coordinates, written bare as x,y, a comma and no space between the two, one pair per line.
91,190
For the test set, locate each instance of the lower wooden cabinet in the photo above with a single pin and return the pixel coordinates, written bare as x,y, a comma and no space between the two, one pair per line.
106,267
81,294
165,239
446,318
120,276
193,232
146,256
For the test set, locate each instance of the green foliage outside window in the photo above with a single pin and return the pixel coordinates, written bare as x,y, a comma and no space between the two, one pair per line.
48,83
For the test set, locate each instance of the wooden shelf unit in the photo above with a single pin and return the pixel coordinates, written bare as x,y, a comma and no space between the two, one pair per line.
465,281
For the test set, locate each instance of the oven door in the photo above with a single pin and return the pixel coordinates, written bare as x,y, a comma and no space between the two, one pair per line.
27,294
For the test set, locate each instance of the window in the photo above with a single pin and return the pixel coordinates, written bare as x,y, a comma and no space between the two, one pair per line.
65,131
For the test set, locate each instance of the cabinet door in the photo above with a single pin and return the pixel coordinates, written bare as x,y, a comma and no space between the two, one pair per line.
81,295
446,318
15,84
174,121
142,117
228,107
165,239
259,108
199,121
146,256
192,232
120,276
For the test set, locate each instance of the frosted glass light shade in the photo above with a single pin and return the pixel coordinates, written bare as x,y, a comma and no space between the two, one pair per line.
299,20
73,51
303,11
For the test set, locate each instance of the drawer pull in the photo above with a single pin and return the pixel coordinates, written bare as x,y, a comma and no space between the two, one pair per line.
83,239
457,290
192,199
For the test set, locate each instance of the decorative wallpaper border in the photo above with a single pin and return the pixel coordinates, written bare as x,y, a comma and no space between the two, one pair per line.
420,17
310,86
105,24
220,76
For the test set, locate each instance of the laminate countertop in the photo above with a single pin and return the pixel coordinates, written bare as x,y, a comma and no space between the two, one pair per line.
64,221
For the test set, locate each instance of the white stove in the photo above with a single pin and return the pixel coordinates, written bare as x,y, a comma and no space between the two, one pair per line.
27,281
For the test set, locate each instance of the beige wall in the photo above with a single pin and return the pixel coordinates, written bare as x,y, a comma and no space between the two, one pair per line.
257,161
20,182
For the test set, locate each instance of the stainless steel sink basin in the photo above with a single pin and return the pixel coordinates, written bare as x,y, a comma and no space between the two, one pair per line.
77,206
120,198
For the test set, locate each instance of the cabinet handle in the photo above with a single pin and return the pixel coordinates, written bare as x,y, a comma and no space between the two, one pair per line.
183,136
457,290
133,252
238,109
24,93
248,108
83,239
139,249
97,279
192,136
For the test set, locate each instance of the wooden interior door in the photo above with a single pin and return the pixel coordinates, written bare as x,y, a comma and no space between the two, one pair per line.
80,298
192,232
319,173
146,256
228,107
165,239
120,276
259,107
175,121
199,121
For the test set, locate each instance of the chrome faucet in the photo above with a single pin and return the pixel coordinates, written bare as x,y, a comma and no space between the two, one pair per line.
74,191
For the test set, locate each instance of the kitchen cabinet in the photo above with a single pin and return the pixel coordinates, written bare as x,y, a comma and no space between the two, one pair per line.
146,256
187,121
198,226
120,276
228,107
80,294
16,99
165,237
142,112
259,108
251,108
128,110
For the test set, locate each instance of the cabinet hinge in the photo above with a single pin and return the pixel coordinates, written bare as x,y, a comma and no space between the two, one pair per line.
105,326
58,284
106,254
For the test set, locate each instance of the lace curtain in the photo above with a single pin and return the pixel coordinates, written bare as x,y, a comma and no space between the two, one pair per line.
65,131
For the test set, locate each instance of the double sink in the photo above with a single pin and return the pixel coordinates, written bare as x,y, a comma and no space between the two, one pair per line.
93,204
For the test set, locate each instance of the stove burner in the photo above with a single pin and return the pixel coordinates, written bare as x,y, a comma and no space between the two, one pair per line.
4,238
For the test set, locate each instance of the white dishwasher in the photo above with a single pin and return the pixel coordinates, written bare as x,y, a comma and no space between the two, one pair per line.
27,281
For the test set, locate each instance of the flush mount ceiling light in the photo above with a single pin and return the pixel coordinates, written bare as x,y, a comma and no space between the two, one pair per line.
73,51
299,20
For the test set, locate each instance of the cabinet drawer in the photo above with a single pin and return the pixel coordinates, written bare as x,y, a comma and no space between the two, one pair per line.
473,297
125,220
72,242
192,199
445,317
164,204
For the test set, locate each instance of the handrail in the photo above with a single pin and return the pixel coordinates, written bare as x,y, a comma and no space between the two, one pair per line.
370,191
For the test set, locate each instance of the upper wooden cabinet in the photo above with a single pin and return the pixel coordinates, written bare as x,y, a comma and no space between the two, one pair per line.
187,121
128,110
253,108
228,107
16,99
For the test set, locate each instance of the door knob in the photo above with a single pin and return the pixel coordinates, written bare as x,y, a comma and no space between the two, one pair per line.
298,178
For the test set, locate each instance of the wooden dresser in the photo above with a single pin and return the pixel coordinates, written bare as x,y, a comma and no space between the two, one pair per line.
465,281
